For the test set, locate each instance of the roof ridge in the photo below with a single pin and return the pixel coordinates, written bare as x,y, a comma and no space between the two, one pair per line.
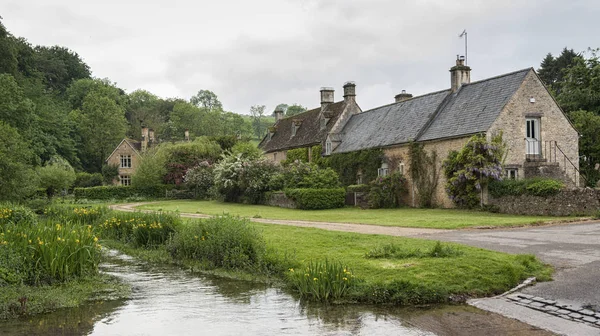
316,108
394,103
498,76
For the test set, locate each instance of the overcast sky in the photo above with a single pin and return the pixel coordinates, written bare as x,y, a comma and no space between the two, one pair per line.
282,51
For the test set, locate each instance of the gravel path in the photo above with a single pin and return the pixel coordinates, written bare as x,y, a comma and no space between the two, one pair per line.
347,227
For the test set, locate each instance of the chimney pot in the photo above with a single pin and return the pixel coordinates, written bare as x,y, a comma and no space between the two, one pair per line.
326,96
459,74
278,113
349,91
402,96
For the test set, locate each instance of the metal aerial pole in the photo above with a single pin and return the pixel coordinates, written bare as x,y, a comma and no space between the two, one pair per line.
464,33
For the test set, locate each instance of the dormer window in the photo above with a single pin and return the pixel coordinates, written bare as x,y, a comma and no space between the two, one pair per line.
328,147
295,126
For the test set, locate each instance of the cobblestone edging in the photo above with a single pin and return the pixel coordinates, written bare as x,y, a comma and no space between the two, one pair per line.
553,307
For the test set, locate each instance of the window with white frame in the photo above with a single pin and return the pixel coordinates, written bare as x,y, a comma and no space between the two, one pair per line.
359,178
125,180
125,161
383,171
328,148
511,173
401,168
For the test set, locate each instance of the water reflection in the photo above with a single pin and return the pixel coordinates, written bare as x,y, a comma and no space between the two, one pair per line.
170,301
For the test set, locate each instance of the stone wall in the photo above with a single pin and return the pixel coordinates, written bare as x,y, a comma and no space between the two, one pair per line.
279,199
276,157
573,202
115,159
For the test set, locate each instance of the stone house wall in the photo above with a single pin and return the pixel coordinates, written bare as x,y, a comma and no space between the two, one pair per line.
554,126
400,154
115,159
276,157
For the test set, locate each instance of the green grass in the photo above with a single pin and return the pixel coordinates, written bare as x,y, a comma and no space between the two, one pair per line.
473,271
404,217
44,299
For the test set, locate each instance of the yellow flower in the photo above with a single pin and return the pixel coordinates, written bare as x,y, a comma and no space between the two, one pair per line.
41,242
315,279
95,239
77,241
345,279
291,269
195,237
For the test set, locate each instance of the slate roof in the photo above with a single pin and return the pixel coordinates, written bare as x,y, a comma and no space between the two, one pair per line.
471,109
309,132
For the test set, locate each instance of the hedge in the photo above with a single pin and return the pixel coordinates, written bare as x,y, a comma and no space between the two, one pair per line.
316,199
358,188
121,192
542,187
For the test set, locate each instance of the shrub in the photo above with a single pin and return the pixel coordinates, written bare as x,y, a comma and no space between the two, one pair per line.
56,176
82,215
538,186
200,179
393,251
387,191
315,199
225,241
110,173
247,150
358,188
140,229
86,180
307,175
322,280
121,192
13,213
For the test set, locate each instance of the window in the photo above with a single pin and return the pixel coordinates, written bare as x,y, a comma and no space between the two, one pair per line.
328,148
401,168
383,171
125,180
359,178
274,156
125,161
294,128
512,173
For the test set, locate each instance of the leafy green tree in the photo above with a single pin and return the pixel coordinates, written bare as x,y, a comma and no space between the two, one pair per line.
580,87
552,69
17,179
101,126
207,100
79,89
55,176
60,67
142,110
295,109
15,109
257,112
588,124
8,52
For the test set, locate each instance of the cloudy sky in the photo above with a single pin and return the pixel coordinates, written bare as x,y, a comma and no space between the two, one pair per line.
282,51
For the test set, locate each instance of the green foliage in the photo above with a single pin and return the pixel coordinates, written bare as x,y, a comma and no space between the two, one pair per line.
56,176
470,169
387,191
14,213
423,172
17,179
307,175
358,188
294,109
322,280
182,156
81,216
316,199
110,173
394,251
552,69
239,179
247,150
225,242
225,141
538,186
347,165
207,100
588,124
86,180
200,180
148,230
401,293
120,192
301,155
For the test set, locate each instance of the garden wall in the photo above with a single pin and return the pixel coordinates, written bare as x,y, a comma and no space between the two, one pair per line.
278,199
572,202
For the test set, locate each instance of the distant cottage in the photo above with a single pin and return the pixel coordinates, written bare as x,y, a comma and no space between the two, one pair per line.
540,139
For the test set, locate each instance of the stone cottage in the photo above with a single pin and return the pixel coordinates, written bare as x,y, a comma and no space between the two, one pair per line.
540,139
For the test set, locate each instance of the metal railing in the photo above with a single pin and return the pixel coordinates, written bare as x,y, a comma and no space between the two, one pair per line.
550,151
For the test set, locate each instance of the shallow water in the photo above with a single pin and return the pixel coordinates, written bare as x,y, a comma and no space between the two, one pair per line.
170,301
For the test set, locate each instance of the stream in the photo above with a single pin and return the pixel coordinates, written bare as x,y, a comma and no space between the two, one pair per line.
170,301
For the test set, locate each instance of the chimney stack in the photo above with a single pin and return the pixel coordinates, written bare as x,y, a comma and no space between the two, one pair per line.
349,91
187,135
144,138
278,113
459,74
326,97
403,96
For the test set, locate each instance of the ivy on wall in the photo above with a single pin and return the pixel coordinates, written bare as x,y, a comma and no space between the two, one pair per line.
301,155
347,165
424,173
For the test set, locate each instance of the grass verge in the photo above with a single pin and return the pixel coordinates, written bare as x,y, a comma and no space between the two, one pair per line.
404,217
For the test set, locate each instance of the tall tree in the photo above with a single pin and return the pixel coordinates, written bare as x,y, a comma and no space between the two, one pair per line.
206,99
8,52
257,112
101,125
60,66
142,110
580,86
16,175
295,109
552,70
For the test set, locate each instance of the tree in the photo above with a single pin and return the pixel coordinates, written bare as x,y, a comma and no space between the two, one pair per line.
17,179
100,125
552,70
588,124
295,109
580,86
55,176
60,67
207,100
79,89
8,52
142,110
257,112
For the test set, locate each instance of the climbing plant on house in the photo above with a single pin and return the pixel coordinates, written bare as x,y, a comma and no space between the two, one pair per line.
469,170
423,172
347,165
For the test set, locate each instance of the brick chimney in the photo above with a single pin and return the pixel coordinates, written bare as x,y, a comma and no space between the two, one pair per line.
400,97
145,139
278,113
349,91
459,74
326,97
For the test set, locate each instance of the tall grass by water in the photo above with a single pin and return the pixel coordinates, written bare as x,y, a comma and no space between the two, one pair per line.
322,280
140,229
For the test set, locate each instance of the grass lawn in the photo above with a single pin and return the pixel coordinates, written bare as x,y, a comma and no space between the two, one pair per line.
405,217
